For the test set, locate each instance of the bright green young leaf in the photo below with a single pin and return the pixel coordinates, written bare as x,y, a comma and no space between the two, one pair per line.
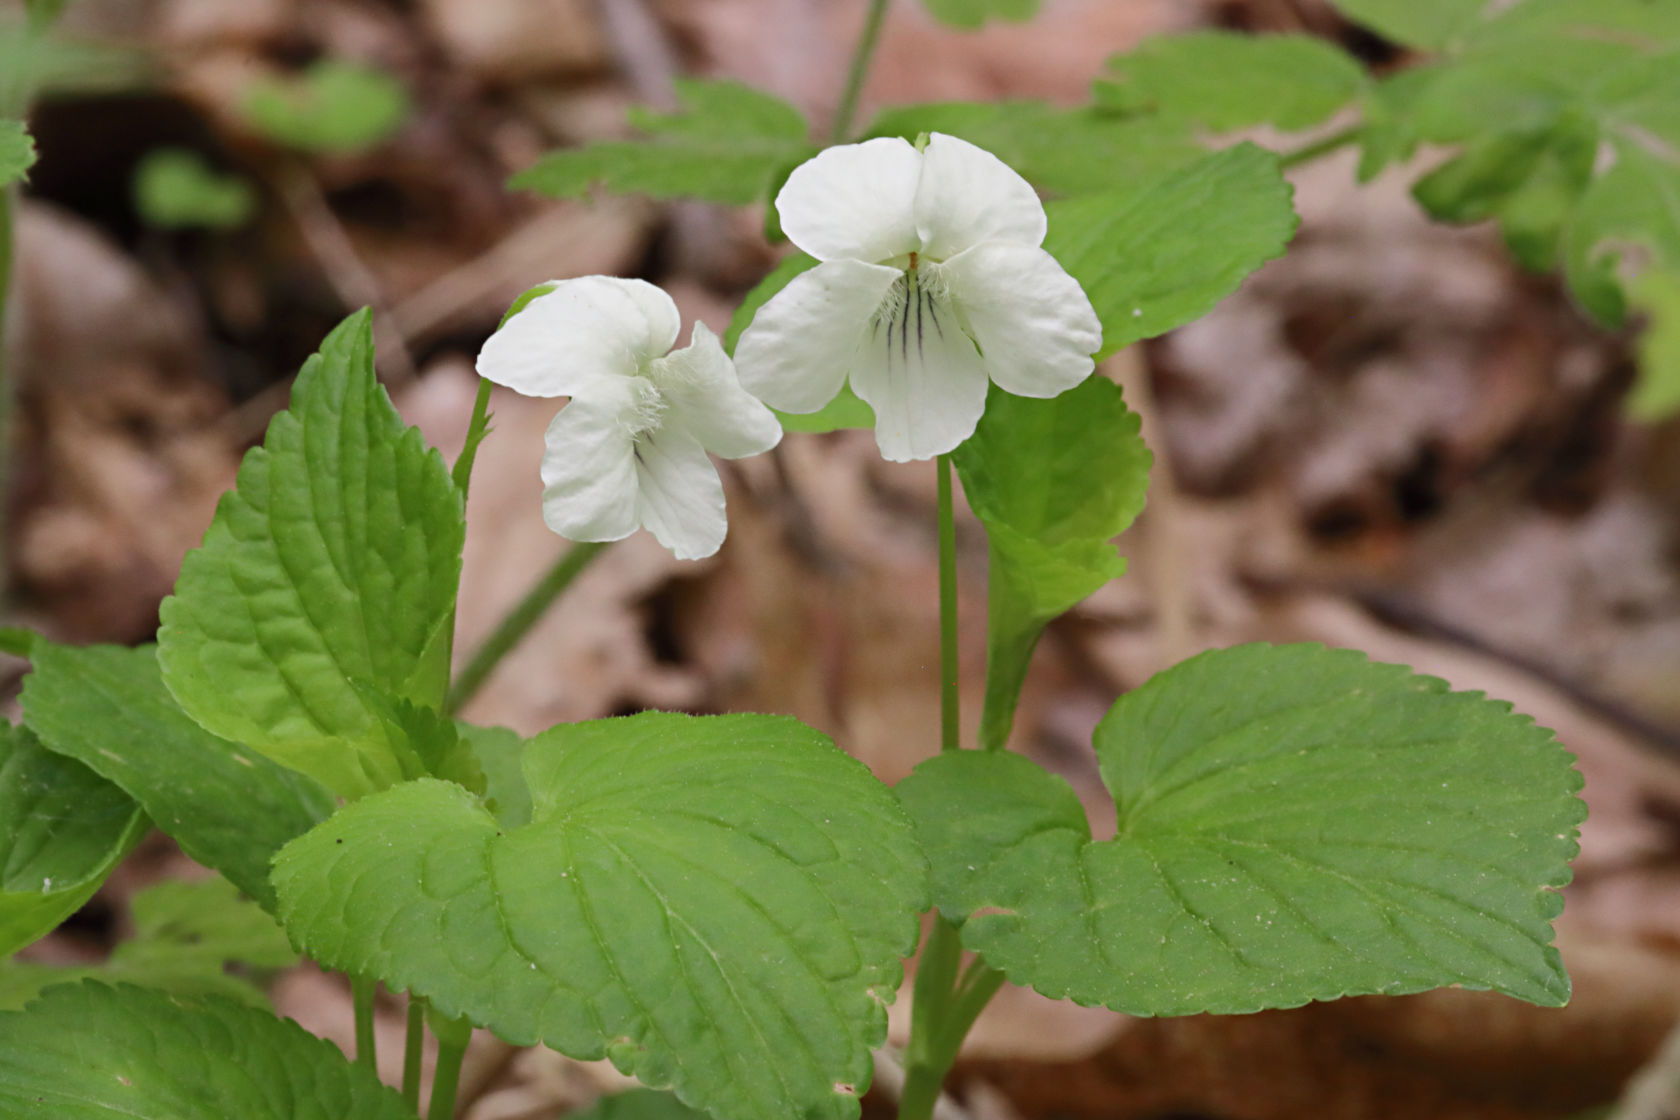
63,829
727,144
186,936
1294,823
34,62
1060,151
1226,81
326,581
228,807
175,189
846,410
640,1104
1053,481
970,14
718,904
1159,257
333,106
1656,395
91,1052
1427,24
17,152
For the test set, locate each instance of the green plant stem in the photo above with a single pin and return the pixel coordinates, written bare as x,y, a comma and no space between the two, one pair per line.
862,55
944,1008
412,1044
949,727
477,428
518,621
451,1051
1321,147
362,992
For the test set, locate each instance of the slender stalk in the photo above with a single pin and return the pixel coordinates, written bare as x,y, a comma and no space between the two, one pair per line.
477,428
362,992
862,55
949,728
452,1048
412,1044
1321,147
518,621
924,1069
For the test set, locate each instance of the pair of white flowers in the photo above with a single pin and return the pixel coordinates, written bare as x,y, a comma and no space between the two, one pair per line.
931,284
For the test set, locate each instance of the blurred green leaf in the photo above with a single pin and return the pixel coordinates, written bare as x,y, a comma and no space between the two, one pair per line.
176,189
1425,24
1060,151
333,106
1226,81
35,62
970,14
726,144
1656,395
17,152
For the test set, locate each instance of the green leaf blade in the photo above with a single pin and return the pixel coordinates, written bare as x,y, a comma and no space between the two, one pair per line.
968,15
92,1052
1227,81
327,578
229,808
1052,481
1295,824
668,860
175,189
63,829
727,144
1159,257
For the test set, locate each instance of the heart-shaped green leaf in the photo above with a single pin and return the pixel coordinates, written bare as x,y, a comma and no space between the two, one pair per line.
1155,257
325,587
718,904
1053,481
63,829
228,807
91,1052
1294,823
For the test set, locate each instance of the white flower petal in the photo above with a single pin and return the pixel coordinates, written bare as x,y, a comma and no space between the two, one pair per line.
589,473
922,376
797,351
679,497
586,330
967,196
704,395
853,201
1032,320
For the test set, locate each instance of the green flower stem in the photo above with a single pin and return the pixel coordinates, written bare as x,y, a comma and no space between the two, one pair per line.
518,621
944,1008
477,428
862,55
1322,147
412,1051
362,991
949,730
452,1049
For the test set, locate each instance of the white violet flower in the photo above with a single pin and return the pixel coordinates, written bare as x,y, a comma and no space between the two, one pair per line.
932,281
629,450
